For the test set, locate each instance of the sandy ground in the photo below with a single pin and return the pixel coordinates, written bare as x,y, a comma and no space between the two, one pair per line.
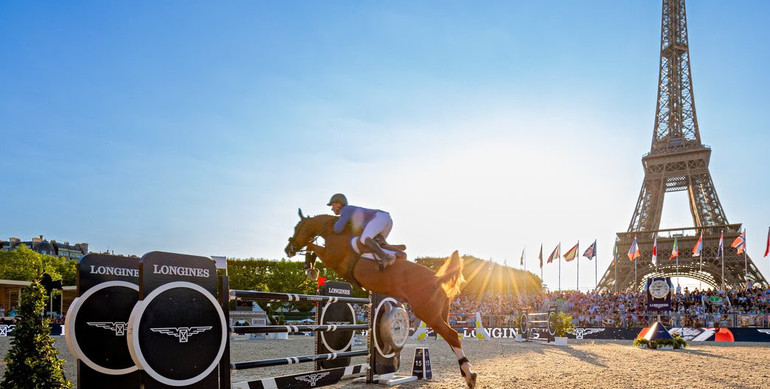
503,363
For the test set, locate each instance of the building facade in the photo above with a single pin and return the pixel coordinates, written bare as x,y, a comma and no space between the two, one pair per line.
43,246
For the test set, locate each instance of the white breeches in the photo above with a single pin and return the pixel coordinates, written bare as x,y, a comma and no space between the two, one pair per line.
380,225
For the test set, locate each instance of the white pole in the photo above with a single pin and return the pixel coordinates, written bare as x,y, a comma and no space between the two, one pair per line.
596,267
635,281
577,254
615,258
745,260
722,238
635,261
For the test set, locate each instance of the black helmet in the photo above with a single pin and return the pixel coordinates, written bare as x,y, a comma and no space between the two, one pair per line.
339,198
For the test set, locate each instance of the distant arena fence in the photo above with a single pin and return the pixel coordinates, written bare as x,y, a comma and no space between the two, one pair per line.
163,321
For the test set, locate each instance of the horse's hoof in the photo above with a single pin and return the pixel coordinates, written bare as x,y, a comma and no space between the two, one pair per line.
472,381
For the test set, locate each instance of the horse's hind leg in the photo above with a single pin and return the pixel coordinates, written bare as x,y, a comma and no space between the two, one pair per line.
452,337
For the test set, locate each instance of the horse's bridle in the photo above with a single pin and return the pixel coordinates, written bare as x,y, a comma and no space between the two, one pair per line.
297,249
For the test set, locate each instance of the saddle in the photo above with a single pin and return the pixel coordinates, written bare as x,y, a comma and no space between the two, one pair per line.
365,252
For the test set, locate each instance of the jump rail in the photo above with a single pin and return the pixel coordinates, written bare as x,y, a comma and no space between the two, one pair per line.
297,328
254,295
293,360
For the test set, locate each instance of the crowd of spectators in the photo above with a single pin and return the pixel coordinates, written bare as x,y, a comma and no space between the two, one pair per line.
696,308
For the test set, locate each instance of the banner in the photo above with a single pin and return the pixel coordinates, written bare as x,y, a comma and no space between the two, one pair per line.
659,291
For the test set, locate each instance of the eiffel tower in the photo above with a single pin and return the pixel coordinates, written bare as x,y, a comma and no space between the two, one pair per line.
678,161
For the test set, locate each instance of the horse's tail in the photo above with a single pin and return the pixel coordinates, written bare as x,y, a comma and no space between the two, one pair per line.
450,275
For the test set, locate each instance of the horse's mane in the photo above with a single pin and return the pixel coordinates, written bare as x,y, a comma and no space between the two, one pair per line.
322,221
324,218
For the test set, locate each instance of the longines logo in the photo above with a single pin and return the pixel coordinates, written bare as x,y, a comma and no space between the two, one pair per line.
118,327
339,291
182,333
312,379
5,329
180,271
694,334
581,332
115,271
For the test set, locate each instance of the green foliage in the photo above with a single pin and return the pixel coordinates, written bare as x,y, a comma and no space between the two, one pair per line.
61,268
680,342
32,361
24,264
278,276
639,342
21,264
677,342
563,324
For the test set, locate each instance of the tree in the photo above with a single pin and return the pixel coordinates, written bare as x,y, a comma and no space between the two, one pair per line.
21,264
61,268
32,361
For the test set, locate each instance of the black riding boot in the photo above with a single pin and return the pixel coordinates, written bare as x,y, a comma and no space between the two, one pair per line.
382,258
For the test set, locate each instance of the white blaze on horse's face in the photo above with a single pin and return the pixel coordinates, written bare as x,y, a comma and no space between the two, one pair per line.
289,250
296,241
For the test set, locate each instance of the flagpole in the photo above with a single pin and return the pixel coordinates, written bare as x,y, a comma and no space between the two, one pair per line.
677,269
722,243
700,260
635,279
541,266
559,255
745,260
615,259
676,249
577,254
596,268
652,255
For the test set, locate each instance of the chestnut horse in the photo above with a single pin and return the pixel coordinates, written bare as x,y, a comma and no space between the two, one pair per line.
428,294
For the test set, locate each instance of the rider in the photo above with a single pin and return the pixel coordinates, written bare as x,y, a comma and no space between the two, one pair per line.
370,223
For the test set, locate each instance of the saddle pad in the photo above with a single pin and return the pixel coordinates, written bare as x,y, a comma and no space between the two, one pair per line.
368,255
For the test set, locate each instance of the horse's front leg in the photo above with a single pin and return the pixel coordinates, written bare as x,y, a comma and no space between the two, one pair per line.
312,252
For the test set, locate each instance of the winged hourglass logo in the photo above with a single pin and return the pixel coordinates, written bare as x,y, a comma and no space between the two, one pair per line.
118,327
312,379
182,333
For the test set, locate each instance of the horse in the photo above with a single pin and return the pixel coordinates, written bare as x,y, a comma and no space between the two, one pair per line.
429,294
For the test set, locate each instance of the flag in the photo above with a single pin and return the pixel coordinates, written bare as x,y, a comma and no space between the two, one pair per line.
633,251
522,256
675,250
721,243
615,252
321,281
555,254
698,246
739,243
655,251
541,255
590,251
571,253
767,248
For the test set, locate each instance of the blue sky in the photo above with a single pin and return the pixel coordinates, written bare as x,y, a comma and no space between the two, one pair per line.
485,127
